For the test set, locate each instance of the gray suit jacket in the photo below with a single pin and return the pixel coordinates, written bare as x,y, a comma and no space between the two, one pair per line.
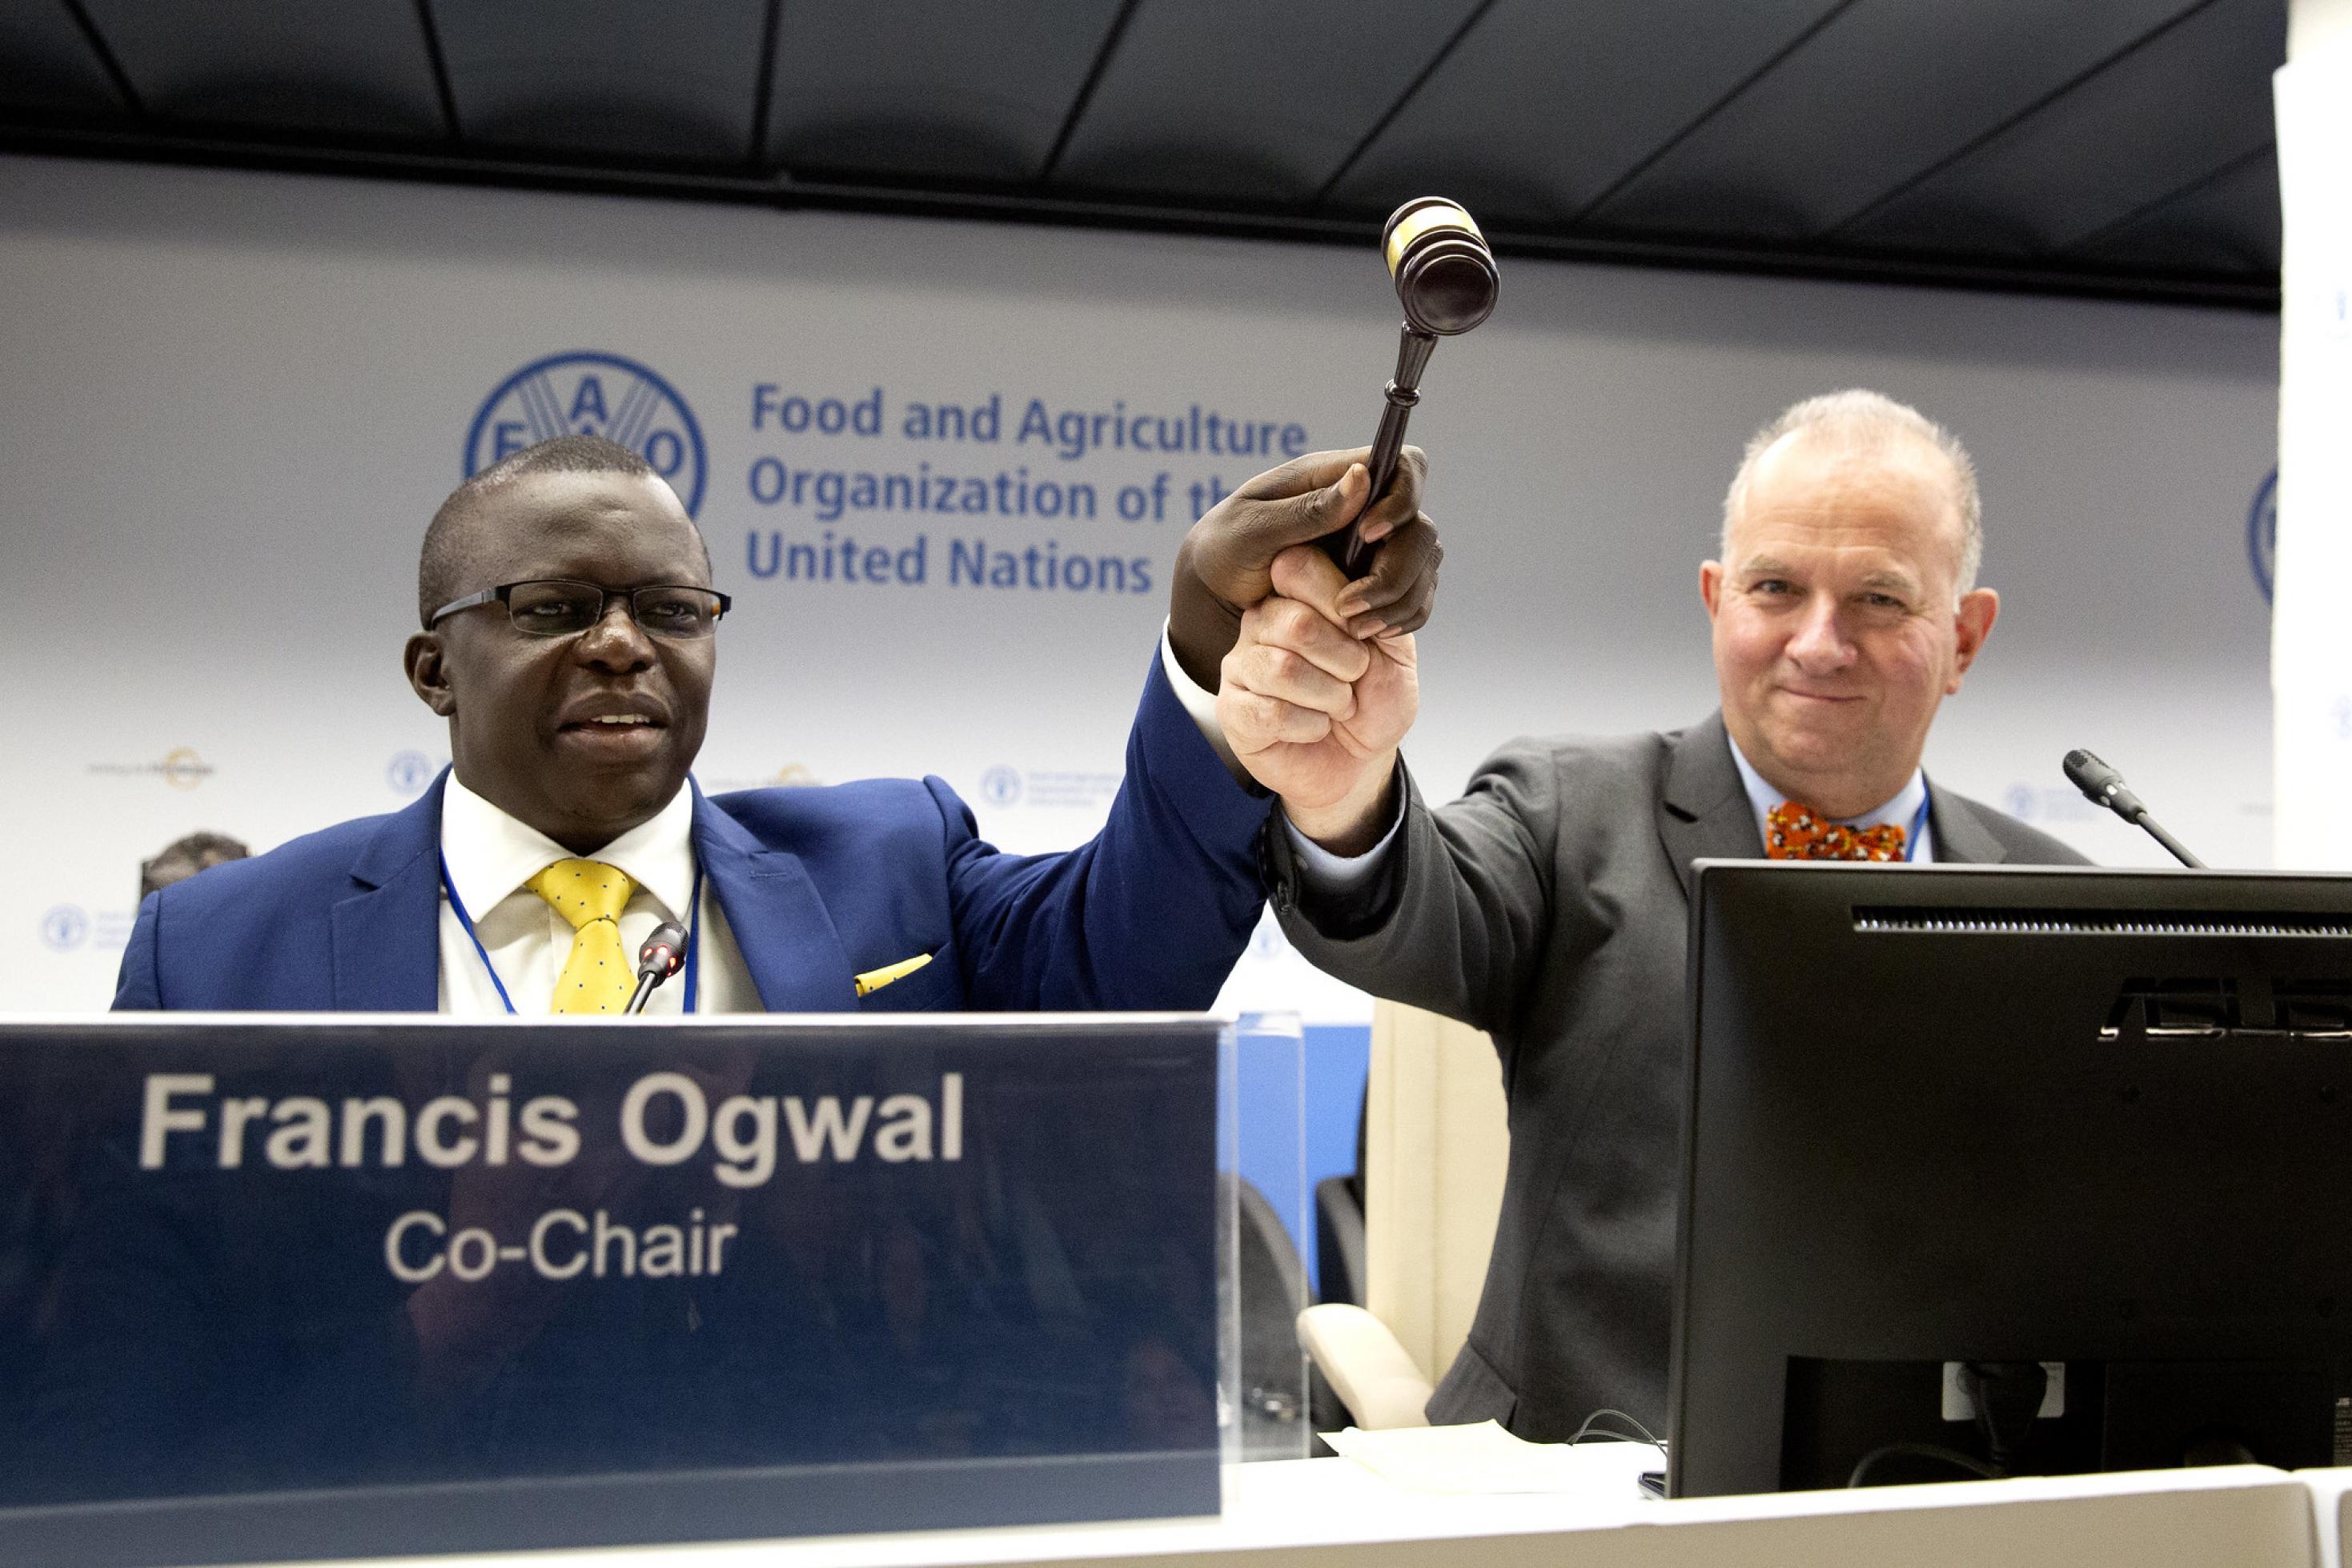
1548,906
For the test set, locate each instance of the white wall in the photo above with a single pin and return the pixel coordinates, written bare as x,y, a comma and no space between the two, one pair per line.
2315,25
232,401
2311,647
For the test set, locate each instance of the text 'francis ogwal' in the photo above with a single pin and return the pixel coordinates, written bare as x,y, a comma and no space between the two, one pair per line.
665,1119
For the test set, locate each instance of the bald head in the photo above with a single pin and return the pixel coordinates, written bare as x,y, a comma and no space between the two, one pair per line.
1843,611
449,565
1869,429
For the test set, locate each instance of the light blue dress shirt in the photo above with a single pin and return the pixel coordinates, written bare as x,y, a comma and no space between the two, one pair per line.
1904,811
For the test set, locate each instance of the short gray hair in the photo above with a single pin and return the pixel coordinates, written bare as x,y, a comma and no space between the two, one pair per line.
1871,421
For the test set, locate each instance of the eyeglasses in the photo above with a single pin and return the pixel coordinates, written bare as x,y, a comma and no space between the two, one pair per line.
554,607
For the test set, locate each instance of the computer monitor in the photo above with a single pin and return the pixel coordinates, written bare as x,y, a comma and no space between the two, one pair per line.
1988,1117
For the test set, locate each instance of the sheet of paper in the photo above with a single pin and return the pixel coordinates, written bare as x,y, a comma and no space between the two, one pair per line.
1485,1459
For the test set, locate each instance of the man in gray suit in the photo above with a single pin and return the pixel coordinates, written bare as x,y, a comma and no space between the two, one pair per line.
1548,905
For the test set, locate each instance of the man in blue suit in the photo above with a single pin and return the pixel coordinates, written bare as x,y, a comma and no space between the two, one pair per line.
568,639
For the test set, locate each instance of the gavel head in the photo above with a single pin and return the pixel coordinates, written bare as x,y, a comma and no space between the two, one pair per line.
1444,274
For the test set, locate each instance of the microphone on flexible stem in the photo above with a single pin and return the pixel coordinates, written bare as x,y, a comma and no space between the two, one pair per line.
2105,787
663,954
1446,281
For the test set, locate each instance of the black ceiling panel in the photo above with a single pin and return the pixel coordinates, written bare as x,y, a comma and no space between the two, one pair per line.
45,64
2109,147
2190,100
1887,89
2228,222
1543,106
906,88
1241,101
354,66
670,79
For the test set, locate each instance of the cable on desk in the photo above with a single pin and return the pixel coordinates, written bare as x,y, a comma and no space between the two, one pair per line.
1592,1427
1937,1451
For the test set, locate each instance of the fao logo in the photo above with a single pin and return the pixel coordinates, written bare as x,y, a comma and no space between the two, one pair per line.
1000,786
64,928
593,394
409,772
2261,535
183,769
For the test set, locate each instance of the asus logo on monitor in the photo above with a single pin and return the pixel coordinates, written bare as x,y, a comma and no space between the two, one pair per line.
2247,1007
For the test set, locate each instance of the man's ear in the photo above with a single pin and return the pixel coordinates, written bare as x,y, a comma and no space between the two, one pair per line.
1710,583
1971,624
428,673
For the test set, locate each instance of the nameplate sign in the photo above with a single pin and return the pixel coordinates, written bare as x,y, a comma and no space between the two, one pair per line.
362,1286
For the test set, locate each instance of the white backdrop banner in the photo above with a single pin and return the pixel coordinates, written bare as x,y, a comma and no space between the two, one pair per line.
2312,639
944,467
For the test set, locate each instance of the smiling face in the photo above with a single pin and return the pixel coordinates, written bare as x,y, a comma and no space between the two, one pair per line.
580,737
1839,625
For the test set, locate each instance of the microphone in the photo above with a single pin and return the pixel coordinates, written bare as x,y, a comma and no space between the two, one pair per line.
1446,281
2105,787
663,954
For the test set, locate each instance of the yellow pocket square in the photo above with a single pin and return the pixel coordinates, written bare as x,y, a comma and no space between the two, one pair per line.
874,980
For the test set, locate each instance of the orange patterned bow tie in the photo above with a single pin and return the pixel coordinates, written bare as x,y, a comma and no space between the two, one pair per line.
1800,833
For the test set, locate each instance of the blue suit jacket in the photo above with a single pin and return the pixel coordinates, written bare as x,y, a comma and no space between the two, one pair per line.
819,884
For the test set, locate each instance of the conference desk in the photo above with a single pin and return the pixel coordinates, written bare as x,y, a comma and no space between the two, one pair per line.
992,1079
1331,1511
2331,1499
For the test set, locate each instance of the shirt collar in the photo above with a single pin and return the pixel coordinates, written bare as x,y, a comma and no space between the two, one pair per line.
490,854
1903,810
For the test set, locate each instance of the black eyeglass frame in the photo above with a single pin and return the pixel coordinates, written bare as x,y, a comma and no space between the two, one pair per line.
503,594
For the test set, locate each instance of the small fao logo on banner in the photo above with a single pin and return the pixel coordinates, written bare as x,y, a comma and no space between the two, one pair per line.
1001,786
64,929
586,394
409,772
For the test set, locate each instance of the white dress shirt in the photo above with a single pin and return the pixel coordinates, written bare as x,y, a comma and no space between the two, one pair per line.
490,856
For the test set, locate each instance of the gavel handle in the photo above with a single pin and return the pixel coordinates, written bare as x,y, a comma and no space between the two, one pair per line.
1403,393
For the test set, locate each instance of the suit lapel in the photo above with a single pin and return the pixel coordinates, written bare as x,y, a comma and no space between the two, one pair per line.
386,937
779,922
1704,810
1959,836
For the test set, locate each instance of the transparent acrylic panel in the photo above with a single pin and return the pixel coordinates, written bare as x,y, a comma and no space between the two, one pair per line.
289,1288
1264,1225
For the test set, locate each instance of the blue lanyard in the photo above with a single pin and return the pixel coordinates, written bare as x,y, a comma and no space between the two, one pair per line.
1918,826
693,925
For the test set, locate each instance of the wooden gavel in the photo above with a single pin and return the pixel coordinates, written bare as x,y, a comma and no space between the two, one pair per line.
1445,279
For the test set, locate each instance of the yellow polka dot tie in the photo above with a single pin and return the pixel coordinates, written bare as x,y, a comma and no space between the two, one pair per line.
598,977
